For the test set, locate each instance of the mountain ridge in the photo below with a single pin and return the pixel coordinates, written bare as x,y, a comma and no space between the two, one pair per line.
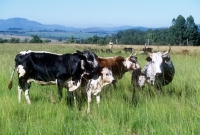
26,24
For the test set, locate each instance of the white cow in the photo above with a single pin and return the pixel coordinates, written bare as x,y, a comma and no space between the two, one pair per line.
159,68
95,85
153,67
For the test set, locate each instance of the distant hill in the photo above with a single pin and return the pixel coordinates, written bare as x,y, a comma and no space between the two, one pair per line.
29,25
25,24
112,29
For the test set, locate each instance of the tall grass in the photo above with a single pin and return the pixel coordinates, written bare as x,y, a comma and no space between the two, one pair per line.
173,111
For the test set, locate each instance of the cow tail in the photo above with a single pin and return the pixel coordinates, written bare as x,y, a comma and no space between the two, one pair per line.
11,79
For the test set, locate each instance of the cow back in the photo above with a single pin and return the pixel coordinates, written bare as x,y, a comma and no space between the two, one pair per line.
115,64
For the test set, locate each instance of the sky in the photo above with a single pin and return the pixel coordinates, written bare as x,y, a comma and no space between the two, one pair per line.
101,13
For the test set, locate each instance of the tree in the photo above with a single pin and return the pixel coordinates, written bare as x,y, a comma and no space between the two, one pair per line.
47,41
95,39
25,40
102,41
71,40
14,40
182,29
192,31
35,39
3,40
178,30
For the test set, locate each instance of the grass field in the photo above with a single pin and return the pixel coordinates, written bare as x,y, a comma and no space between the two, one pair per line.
174,111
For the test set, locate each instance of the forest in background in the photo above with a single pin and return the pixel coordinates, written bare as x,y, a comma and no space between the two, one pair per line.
182,32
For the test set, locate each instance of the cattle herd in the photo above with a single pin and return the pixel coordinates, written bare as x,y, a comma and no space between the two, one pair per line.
85,70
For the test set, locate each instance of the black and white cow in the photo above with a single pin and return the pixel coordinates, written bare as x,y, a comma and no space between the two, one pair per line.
95,85
159,70
48,68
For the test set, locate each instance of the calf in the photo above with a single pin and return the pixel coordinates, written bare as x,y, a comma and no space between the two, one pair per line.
48,68
95,85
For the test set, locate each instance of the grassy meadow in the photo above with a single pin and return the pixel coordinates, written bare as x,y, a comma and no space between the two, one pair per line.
173,111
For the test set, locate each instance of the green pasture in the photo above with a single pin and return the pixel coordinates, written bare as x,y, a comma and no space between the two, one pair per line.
173,111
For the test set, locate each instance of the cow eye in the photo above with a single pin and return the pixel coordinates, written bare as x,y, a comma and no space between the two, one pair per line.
90,59
107,74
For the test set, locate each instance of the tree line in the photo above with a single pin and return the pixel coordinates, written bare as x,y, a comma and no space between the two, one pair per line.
35,39
181,32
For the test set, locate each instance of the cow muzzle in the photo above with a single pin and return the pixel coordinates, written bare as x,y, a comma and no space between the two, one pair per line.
114,81
158,74
152,82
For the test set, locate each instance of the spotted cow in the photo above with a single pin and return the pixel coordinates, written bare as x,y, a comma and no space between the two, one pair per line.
95,85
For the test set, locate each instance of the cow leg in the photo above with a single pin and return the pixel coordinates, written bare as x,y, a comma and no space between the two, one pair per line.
25,87
89,100
19,94
98,99
27,96
26,92
75,98
60,87
135,96
69,98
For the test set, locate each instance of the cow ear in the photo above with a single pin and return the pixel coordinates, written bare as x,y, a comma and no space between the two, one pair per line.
79,52
102,70
148,58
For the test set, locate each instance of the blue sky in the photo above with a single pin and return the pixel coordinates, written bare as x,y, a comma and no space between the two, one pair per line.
101,13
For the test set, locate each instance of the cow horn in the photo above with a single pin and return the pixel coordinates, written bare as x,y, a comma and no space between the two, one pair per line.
131,54
167,51
149,53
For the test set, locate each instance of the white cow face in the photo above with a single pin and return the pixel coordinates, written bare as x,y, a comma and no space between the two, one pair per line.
107,76
131,62
153,67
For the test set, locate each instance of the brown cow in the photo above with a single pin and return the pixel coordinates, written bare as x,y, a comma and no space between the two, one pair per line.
119,65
